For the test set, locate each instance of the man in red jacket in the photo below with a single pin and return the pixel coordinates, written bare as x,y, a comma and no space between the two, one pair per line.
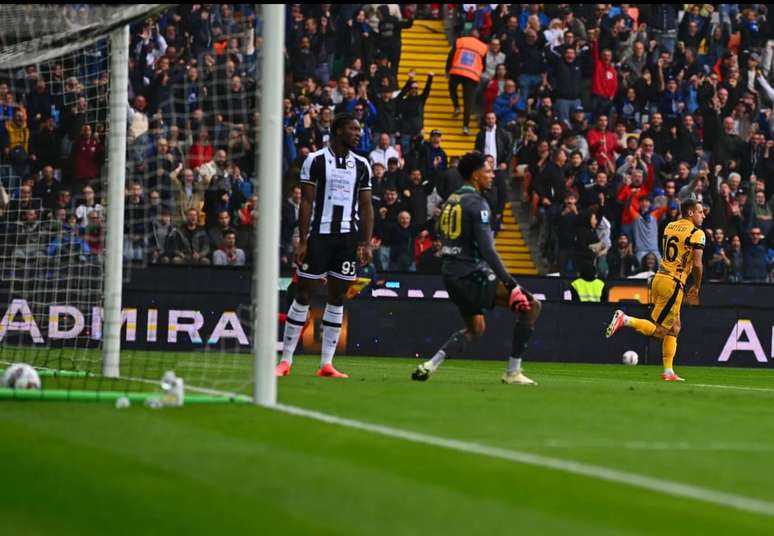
604,82
603,145
632,188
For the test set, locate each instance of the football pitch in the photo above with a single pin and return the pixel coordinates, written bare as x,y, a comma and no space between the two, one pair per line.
594,449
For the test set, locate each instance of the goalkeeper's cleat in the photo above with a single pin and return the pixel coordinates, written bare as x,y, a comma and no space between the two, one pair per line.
282,369
327,371
672,378
517,378
615,324
422,373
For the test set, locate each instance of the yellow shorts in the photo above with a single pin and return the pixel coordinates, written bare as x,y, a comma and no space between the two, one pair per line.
666,295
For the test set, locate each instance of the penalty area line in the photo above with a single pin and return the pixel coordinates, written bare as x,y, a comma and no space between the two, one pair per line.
665,487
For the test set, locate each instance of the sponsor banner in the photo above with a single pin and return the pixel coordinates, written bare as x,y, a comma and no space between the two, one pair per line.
566,332
169,309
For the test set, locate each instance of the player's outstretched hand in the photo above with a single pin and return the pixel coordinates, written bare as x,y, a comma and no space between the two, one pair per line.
299,254
364,253
693,296
518,300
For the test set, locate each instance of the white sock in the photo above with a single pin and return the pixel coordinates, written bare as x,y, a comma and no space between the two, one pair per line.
514,364
627,320
293,326
437,360
332,318
669,371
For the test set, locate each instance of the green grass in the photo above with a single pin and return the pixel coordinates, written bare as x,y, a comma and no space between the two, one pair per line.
78,468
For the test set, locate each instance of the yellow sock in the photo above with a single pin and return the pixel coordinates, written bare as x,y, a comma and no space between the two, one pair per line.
668,351
646,327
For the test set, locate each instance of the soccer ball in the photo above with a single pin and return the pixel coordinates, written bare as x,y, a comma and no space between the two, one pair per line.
21,376
630,357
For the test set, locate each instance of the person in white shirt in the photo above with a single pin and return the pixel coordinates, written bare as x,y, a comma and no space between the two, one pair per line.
228,254
383,151
87,206
495,141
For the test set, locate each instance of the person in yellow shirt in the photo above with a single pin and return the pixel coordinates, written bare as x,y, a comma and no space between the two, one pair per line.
683,244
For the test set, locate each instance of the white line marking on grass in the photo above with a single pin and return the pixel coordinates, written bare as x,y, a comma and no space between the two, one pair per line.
646,445
667,487
736,387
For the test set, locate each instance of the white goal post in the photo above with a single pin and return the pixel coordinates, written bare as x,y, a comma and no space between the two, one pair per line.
266,266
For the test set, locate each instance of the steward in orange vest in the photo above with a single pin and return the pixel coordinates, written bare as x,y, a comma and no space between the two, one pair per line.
466,58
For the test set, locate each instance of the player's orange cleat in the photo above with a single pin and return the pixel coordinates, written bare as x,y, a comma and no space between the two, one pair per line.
282,369
672,378
327,371
615,324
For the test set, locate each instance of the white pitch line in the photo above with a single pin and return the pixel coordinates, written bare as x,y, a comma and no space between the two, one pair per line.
735,387
667,487
647,445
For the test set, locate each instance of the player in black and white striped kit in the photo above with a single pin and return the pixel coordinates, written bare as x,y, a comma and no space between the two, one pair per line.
335,223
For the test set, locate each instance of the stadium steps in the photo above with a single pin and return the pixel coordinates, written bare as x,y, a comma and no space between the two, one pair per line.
512,247
424,49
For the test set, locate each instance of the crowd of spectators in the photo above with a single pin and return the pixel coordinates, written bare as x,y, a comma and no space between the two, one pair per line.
619,111
191,126
608,114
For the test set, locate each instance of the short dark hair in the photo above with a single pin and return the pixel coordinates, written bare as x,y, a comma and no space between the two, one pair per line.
688,205
341,120
470,163
229,232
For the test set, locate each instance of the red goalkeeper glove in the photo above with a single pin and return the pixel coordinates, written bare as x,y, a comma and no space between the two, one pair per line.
518,300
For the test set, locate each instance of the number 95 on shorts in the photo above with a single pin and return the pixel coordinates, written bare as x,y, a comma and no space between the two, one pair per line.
330,255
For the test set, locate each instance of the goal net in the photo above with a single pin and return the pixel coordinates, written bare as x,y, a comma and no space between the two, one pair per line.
188,199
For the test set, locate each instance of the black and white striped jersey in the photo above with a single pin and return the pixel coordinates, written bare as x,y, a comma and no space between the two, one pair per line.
338,183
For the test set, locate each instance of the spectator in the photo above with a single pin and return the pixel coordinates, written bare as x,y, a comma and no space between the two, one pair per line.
415,196
566,235
494,141
46,145
717,261
736,257
649,265
464,66
228,254
189,244
621,260
386,212
87,206
86,159
603,144
434,158
47,188
383,151
17,135
218,232
289,230
567,80
411,107
532,69
389,41
136,225
605,80
755,261
645,227
507,105
430,259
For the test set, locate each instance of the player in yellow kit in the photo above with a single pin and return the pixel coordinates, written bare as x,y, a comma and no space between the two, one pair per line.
683,245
